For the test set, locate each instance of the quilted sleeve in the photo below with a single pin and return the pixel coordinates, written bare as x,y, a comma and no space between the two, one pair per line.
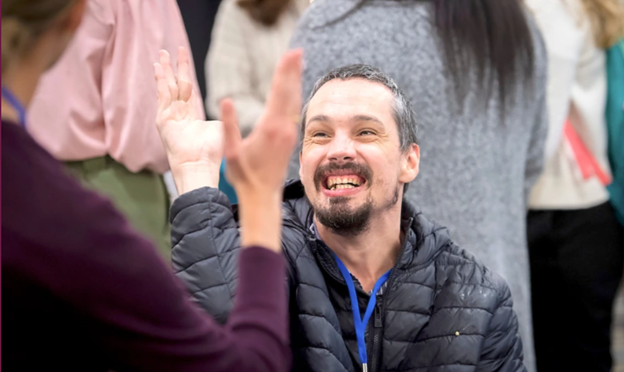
205,248
502,349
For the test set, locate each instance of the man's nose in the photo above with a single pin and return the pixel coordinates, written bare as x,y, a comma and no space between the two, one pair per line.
341,149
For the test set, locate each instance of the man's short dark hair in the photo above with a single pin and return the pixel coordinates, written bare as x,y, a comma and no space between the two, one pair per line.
404,116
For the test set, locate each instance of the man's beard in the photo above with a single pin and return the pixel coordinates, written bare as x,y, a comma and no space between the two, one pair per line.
338,216
341,220
344,221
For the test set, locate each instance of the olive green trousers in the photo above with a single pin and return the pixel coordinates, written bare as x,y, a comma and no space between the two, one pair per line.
142,197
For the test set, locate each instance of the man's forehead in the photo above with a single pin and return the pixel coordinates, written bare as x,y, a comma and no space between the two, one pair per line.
356,96
353,88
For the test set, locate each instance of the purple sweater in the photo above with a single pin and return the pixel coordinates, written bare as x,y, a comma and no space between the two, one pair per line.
81,291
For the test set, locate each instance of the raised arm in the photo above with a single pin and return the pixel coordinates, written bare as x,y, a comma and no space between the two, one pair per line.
205,233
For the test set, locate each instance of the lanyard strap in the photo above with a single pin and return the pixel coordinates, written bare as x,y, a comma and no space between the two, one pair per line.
16,104
360,324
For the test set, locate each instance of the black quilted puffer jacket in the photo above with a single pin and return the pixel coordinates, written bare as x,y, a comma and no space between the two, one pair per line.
441,310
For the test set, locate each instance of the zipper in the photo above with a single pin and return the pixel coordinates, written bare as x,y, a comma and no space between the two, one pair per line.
378,323
326,267
378,327
374,358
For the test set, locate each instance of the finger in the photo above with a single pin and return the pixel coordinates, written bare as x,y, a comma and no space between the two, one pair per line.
165,61
232,136
164,95
284,99
185,85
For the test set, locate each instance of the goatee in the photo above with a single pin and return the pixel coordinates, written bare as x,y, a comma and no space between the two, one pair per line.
344,221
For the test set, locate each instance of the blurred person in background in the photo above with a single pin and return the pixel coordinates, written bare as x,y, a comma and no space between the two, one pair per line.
248,38
576,245
475,72
95,109
81,291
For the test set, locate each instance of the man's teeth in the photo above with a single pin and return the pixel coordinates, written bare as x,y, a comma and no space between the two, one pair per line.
337,183
339,187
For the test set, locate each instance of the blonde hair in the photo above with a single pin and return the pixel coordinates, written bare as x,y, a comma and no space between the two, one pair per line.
23,21
607,18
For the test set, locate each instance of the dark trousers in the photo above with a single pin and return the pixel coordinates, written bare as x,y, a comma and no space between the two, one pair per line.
577,259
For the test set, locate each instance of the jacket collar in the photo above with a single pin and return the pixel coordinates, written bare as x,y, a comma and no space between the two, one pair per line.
424,239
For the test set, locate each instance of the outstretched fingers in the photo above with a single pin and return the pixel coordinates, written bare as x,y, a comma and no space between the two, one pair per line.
164,95
165,62
185,85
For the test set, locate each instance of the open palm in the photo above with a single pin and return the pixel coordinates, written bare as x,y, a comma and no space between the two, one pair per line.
187,140
256,164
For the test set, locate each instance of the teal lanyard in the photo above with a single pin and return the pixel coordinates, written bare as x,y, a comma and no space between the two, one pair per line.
360,324
16,104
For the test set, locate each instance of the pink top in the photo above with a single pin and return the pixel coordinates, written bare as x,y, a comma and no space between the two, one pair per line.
100,98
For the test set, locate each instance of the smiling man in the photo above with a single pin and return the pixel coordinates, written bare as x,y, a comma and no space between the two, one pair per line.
374,285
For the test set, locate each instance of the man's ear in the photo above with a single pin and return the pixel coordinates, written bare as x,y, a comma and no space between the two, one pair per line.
300,167
410,164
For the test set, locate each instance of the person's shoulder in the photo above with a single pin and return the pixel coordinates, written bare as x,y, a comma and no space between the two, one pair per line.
44,203
326,12
296,218
230,10
57,232
461,275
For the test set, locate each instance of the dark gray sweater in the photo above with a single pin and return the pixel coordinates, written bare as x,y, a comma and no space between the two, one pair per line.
476,166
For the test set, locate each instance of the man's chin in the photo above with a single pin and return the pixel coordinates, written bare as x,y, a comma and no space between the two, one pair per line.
343,201
344,216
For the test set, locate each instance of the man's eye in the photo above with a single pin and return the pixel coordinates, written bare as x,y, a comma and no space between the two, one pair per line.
319,135
366,133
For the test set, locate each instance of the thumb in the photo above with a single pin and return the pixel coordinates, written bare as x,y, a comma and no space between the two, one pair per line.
232,136
284,99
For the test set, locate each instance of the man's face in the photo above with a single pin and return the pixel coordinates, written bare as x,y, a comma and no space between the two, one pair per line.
351,163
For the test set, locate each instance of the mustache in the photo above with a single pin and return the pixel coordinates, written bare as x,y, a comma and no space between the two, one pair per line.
360,170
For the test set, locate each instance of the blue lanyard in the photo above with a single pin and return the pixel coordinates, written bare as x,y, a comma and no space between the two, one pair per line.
360,324
16,104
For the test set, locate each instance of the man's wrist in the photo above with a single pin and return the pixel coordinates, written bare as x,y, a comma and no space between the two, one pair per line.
260,217
195,176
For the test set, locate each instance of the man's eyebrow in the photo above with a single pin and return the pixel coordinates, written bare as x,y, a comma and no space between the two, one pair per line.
356,118
323,118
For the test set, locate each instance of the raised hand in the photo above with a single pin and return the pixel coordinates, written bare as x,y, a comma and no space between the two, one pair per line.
256,166
194,147
259,162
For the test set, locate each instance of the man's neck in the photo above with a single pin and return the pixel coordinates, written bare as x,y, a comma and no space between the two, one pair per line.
372,253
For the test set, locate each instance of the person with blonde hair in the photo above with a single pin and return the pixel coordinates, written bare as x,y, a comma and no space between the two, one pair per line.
81,290
575,242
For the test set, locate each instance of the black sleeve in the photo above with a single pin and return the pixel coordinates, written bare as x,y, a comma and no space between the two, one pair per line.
205,248
502,348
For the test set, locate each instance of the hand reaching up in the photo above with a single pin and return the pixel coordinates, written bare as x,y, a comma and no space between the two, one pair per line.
194,147
259,162
256,166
